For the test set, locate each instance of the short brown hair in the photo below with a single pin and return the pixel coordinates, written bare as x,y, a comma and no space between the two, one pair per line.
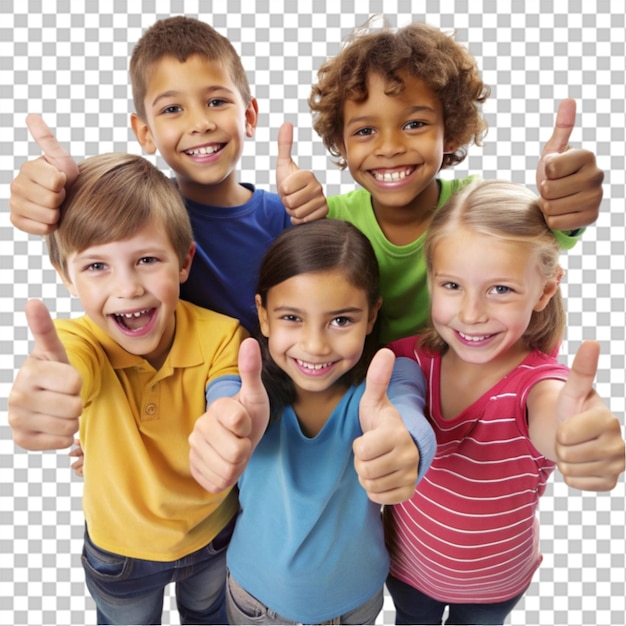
113,197
182,37
506,211
426,53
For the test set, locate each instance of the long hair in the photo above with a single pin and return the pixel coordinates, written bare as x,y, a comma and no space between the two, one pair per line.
326,244
506,211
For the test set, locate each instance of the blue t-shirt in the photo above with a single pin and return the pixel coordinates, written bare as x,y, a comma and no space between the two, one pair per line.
308,543
231,242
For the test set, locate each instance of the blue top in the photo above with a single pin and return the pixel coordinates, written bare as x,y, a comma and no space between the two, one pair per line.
308,543
231,242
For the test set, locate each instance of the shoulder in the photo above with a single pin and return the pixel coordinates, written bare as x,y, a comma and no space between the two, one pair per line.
194,319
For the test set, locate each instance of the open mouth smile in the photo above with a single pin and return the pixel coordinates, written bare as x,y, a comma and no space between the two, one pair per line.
392,176
204,150
135,321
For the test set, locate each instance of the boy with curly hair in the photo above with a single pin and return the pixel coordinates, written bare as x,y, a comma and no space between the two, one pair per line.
396,107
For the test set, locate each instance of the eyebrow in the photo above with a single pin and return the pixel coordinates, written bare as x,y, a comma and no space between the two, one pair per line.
296,310
173,93
409,110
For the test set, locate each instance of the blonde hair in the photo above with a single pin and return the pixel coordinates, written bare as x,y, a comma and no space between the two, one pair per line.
507,211
424,52
112,198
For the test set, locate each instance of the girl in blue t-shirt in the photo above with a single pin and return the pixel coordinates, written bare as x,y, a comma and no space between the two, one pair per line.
346,434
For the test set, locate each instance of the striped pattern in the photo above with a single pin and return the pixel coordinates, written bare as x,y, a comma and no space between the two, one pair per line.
470,534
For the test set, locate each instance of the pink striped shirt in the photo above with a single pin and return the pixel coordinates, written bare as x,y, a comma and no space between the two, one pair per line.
470,532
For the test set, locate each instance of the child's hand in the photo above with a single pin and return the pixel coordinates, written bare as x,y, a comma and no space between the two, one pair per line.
299,190
569,181
39,188
77,453
224,438
589,444
385,456
44,403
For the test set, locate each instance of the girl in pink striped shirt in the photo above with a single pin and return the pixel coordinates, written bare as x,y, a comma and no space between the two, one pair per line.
505,412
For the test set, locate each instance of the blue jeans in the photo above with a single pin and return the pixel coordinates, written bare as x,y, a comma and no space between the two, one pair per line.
244,608
415,607
130,591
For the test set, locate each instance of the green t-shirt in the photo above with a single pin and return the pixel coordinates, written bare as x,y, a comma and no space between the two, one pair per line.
403,284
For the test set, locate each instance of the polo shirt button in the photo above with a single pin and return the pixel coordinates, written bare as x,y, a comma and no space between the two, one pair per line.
151,409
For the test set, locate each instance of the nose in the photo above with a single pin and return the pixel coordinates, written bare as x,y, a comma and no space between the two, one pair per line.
313,340
472,309
390,143
201,121
128,284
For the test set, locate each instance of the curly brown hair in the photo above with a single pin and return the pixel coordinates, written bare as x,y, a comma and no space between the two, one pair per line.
426,53
181,37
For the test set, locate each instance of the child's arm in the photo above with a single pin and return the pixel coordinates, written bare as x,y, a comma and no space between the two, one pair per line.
39,188
299,190
386,456
225,436
45,403
570,424
569,181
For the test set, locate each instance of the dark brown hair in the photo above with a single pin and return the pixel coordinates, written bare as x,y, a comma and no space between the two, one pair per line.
326,244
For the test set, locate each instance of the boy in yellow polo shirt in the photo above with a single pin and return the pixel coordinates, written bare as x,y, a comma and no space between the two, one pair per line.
138,370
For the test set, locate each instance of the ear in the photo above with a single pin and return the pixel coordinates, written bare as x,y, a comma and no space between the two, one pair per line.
143,134
252,117
549,289
373,315
262,313
186,266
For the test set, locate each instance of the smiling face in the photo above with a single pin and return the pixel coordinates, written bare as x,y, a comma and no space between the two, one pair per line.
197,120
316,324
394,145
130,288
483,292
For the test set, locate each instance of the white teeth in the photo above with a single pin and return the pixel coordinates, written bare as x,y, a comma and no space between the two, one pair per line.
312,366
204,150
135,314
473,337
388,177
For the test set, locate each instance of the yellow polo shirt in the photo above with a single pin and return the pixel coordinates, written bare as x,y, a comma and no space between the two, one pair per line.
140,499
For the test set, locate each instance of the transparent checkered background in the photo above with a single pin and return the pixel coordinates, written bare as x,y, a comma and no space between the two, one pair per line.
68,61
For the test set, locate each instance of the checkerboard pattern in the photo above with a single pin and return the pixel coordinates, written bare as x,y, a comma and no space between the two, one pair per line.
68,61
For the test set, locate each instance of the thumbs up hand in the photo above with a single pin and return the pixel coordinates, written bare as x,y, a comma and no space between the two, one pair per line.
589,444
385,456
44,403
225,436
299,190
569,181
39,188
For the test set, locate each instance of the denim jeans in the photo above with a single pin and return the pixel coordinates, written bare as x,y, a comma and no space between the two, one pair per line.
130,591
414,607
244,608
